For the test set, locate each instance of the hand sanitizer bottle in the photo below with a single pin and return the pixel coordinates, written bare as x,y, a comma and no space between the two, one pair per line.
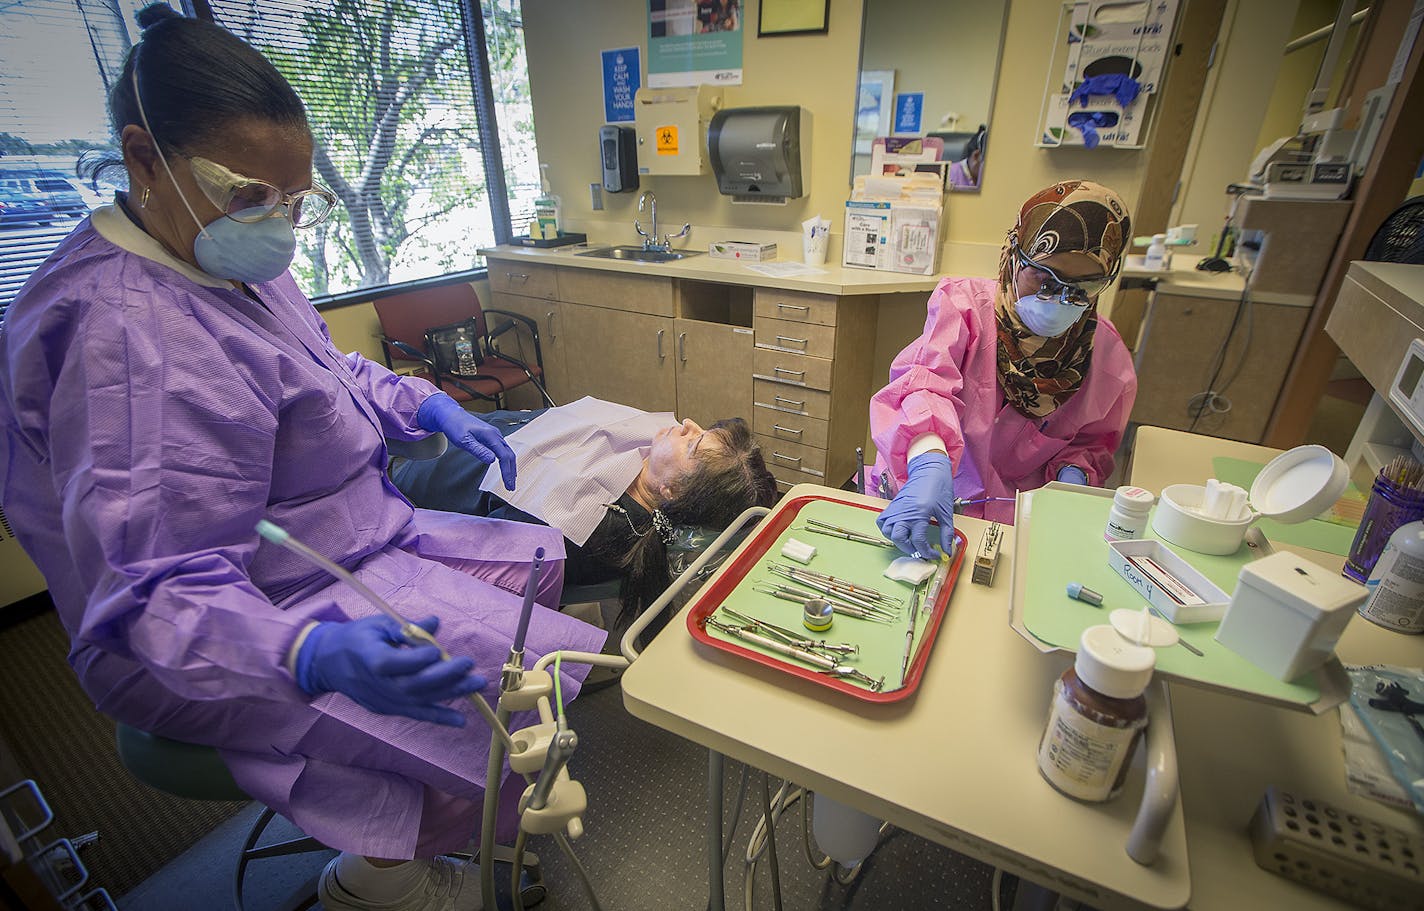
547,210
1156,259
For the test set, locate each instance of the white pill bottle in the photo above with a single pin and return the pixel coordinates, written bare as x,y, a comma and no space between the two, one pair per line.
1128,519
1396,599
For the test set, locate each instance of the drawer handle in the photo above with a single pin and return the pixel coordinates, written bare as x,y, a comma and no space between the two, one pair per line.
550,317
794,460
781,306
781,401
796,341
788,372
522,276
784,484
787,429
682,347
660,343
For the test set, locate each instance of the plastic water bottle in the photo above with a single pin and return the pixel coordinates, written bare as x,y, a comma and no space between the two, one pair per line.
464,354
1396,599
1156,259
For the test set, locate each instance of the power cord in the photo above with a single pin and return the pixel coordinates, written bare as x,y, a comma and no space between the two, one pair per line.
1213,399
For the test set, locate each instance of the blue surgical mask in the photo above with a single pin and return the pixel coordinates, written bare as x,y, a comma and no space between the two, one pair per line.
1047,318
249,252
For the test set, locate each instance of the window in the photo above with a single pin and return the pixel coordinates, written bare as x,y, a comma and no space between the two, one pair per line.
394,95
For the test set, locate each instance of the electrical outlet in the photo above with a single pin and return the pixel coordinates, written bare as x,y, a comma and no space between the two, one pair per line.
595,194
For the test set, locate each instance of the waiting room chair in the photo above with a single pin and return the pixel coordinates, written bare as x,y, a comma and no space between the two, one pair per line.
419,329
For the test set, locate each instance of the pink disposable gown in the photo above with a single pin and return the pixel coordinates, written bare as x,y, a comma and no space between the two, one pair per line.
946,383
149,420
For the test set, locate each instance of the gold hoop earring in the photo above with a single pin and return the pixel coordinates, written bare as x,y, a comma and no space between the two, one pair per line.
143,200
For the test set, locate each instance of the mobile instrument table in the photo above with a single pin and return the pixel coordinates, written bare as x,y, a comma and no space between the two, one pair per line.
954,763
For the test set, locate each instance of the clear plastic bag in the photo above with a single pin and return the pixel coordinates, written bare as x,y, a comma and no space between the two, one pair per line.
1390,703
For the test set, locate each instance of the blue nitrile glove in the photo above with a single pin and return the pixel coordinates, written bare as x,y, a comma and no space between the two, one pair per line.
441,413
928,494
1072,474
1089,122
1121,86
370,661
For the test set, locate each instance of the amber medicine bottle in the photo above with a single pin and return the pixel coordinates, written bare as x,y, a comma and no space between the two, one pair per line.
1097,717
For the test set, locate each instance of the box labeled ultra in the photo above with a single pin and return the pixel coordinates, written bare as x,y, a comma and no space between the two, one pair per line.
1168,582
746,251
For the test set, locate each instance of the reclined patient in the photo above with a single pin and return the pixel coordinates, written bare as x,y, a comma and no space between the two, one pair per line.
615,480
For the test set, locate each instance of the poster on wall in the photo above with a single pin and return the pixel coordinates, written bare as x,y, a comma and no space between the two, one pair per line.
691,42
622,77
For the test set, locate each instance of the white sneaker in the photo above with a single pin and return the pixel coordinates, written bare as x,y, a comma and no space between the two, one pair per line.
448,885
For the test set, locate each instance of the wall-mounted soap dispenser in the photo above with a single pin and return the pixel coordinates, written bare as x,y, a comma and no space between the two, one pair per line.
759,154
618,148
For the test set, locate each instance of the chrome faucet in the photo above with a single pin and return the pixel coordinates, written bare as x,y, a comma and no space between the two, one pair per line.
650,238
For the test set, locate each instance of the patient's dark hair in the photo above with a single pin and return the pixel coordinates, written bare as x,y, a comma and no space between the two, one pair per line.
728,480
198,78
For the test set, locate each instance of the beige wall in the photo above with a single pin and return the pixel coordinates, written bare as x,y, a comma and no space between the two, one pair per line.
1299,69
819,72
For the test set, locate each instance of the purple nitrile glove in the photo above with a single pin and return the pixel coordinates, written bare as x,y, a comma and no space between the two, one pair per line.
928,494
1072,474
440,413
370,661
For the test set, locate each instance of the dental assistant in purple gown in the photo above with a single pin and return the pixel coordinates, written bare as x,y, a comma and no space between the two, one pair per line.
163,386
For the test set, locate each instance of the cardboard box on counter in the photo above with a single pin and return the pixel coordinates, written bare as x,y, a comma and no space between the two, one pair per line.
746,251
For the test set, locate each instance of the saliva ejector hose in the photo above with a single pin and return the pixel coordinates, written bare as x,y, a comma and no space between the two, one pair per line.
412,633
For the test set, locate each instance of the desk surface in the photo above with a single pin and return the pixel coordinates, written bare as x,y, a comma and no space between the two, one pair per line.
1230,750
1186,279
956,763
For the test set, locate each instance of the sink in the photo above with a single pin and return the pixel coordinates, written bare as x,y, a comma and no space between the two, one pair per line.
638,254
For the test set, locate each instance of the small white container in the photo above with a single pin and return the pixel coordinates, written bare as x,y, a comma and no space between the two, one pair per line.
1128,519
1156,259
1287,614
1298,484
1396,586
1121,555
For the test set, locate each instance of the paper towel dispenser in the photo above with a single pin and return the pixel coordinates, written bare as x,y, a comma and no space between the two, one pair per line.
757,153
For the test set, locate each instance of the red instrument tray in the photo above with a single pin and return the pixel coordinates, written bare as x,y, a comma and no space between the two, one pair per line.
711,597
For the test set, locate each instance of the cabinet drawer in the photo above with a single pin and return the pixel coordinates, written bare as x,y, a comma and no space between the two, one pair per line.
792,455
818,309
787,478
528,279
793,428
616,291
786,367
803,338
811,403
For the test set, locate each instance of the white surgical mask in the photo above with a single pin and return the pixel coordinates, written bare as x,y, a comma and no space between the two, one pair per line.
1047,318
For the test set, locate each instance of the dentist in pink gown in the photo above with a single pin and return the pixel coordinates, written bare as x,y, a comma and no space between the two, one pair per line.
1015,382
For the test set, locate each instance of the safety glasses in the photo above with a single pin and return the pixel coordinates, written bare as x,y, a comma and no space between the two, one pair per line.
247,200
1074,291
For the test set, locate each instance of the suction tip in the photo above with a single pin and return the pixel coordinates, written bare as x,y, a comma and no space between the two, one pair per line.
272,532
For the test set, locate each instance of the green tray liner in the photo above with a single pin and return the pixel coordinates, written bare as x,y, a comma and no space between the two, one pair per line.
882,646
1066,545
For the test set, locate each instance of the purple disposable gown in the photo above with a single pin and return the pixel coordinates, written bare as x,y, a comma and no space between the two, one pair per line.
151,415
947,383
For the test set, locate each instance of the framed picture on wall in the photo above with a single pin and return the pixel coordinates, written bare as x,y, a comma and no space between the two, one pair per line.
793,17
874,106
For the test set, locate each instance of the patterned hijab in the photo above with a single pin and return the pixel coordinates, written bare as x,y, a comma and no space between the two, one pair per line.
1076,228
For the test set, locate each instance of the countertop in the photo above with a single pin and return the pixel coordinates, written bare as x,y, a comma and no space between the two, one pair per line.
834,279
1185,278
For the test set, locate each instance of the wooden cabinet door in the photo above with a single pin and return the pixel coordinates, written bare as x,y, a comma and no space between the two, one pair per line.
546,315
620,357
714,371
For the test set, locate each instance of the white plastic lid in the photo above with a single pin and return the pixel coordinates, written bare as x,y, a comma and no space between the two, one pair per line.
1111,665
1133,499
1299,484
1159,238
1301,585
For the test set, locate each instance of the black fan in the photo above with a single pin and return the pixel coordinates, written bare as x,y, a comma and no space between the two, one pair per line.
1401,238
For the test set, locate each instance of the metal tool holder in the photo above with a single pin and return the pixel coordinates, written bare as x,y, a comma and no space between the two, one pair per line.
24,814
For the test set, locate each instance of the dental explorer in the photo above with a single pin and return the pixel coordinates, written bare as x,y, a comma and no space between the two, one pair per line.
825,664
785,635
835,531
797,596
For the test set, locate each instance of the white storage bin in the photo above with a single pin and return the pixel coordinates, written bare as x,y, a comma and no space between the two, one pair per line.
1121,557
1287,614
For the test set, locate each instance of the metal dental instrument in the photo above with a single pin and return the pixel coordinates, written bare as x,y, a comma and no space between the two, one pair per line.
832,589
885,492
412,633
786,593
826,664
835,531
936,583
790,638
863,591
909,636
860,470
850,591
961,502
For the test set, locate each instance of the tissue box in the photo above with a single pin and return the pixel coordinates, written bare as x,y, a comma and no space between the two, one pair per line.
1158,574
1287,614
747,251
